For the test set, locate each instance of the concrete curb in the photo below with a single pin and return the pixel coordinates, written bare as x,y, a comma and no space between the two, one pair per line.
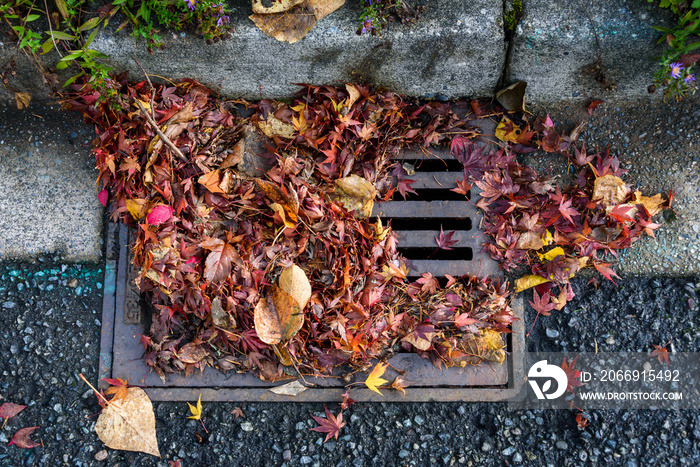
455,49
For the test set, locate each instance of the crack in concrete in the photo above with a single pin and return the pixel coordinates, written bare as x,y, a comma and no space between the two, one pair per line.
509,8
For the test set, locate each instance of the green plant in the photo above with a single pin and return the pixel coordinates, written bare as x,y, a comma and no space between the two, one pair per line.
72,38
375,14
512,17
676,74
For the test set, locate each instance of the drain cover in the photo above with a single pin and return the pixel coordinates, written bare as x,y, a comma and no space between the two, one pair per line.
417,222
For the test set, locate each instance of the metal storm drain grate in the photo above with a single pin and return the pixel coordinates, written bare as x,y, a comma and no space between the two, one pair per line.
417,222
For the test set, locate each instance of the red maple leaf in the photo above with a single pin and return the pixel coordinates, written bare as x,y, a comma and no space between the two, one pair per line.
661,353
463,187
572,375
581,421
330,425
606,271
593,105
347,400
542,305
566,210
404,187
620,213
9,410
445,241
580,157
21,438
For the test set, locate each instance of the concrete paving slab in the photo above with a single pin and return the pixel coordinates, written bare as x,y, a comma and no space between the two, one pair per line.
47,180
603,48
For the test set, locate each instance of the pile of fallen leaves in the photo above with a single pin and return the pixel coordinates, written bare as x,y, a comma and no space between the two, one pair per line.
252,235
556,231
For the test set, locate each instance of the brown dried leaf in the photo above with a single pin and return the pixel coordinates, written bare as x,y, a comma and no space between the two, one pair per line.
218,264
129,425
652,204
219,316
609,190
400,384
293,280
277,316
323,8
512,98
137,207
353,92
356,194
529,241
289,26
192,353
290,389
273,126
289,201
276,6
211,181
421,341
22,100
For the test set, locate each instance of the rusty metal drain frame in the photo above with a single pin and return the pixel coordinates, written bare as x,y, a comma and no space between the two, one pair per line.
121,357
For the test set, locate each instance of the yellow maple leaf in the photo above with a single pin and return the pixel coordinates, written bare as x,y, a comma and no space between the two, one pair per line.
374,379
551,254
527,282
196,411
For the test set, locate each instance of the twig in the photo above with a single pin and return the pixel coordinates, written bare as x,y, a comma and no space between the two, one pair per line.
48,17
97,393
153,90
165,139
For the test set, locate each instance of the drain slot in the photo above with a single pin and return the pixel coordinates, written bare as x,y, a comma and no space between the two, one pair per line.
429,224
464,254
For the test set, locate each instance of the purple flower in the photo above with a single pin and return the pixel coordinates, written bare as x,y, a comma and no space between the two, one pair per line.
367,26
689,79
676,68
221,20
190,4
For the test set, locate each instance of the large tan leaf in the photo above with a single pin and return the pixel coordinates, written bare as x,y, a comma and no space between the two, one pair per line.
211,181
652,204
295,283
356,194
290,389
265,7
289,26
277,316
129,424
273,126
609,190
512,98
323,8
